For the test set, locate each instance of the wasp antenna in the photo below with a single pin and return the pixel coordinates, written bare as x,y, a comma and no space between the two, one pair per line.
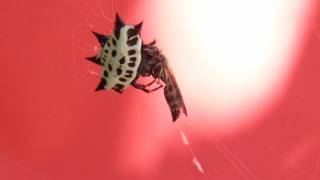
150,43
153,42
119,23
101,38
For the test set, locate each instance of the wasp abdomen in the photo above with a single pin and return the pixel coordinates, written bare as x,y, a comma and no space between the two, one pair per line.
172,98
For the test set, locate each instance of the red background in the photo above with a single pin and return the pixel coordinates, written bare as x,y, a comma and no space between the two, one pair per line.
54,126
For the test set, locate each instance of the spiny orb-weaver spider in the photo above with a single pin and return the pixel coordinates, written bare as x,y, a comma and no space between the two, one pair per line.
124,58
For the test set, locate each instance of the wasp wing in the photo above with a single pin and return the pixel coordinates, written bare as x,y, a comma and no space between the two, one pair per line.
173,94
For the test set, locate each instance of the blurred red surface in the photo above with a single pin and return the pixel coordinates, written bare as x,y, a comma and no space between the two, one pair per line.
54,126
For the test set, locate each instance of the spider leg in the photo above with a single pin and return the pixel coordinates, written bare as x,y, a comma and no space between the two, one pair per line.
151,90
143,87
158,81
160,86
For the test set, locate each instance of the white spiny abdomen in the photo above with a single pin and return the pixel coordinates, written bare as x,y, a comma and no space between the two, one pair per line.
120,59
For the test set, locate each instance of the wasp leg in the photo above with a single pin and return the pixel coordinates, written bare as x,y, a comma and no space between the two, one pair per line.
150,83
143,87
158,81
160,86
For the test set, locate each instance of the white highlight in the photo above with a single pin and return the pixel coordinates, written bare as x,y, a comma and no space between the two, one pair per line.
93,72
95,48
186,142
196,162
231,57
184,138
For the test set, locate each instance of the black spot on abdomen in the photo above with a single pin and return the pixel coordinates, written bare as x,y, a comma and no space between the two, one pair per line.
109,67
114,42
129,71
105,74
122,60
122,79
119,71
132,64
131,32
131,52
128,74
133,41
133,59
118,86
114,53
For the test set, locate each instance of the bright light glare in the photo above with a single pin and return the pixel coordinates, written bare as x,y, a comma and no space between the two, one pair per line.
231,58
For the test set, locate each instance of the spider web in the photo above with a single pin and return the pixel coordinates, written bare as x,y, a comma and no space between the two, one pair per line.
92,15
289,138
105,11
99,11
92,11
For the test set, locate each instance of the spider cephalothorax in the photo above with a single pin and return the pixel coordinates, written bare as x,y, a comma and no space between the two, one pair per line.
124,58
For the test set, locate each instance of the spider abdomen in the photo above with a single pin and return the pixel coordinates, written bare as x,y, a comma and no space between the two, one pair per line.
119,57
123,56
